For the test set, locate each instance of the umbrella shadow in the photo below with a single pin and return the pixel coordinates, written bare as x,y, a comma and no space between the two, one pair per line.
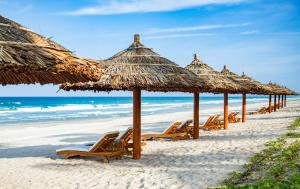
30,151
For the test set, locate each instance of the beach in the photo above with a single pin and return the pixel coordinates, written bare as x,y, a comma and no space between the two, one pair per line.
28,159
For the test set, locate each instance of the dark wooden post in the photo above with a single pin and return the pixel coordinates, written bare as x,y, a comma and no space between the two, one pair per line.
278,102
281,101
196,115
285,100
244,108
270,103
275,106
136,124
226,110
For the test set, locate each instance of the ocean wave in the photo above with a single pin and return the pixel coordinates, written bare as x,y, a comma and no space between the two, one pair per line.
147,107
104,112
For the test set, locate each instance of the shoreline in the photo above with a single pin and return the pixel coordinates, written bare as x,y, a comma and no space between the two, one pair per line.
204,113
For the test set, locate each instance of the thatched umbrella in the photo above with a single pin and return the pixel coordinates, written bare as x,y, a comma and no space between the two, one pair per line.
280,91
140,68
214,82
27,58
288,92
249,85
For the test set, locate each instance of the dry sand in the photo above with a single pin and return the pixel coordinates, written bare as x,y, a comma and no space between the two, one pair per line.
28,159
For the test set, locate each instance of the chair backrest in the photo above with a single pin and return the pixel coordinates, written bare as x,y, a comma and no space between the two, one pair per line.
216,118
172,127
235,114
209,119
104,141
262,109
231,114
184,125
127,135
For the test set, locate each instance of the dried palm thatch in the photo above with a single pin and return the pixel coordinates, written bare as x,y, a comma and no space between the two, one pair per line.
249,85
27,57
277,89
290,92
139,67
212,80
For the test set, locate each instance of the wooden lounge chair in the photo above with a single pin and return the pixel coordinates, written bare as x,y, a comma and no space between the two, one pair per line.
205,126
232,117
185,127
262,110
213,123
207,123
174,132
217,123
104,147
123,142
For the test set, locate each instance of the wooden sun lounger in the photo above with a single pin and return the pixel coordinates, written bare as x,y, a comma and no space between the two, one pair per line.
262,110
104,148
174,132
213,123
123,142
208,122
216,123
232,117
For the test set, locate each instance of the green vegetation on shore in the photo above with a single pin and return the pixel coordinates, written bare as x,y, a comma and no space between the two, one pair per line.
277,166
295,125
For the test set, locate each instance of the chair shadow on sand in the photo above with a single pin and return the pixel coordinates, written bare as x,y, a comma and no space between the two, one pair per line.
180,167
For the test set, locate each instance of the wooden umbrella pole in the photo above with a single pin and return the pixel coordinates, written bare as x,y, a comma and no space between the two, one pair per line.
275,106
136,124
196,115
270,103
282,101
244,108
278,102
226,110
285,100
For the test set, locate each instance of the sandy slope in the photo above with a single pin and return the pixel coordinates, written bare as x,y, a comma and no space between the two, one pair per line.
27,158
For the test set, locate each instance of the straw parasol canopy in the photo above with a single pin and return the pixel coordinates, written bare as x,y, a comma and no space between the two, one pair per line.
277,89
212,80
27,57
249,85
140,67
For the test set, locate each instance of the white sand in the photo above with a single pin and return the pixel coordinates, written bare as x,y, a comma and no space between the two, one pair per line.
28,159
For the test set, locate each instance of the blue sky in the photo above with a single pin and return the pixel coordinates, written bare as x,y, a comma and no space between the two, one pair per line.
259,37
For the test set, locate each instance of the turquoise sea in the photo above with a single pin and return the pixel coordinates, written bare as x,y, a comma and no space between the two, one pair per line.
26,110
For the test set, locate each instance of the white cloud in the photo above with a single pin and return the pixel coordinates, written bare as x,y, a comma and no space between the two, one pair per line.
111,7
251,32
180,35
197,28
